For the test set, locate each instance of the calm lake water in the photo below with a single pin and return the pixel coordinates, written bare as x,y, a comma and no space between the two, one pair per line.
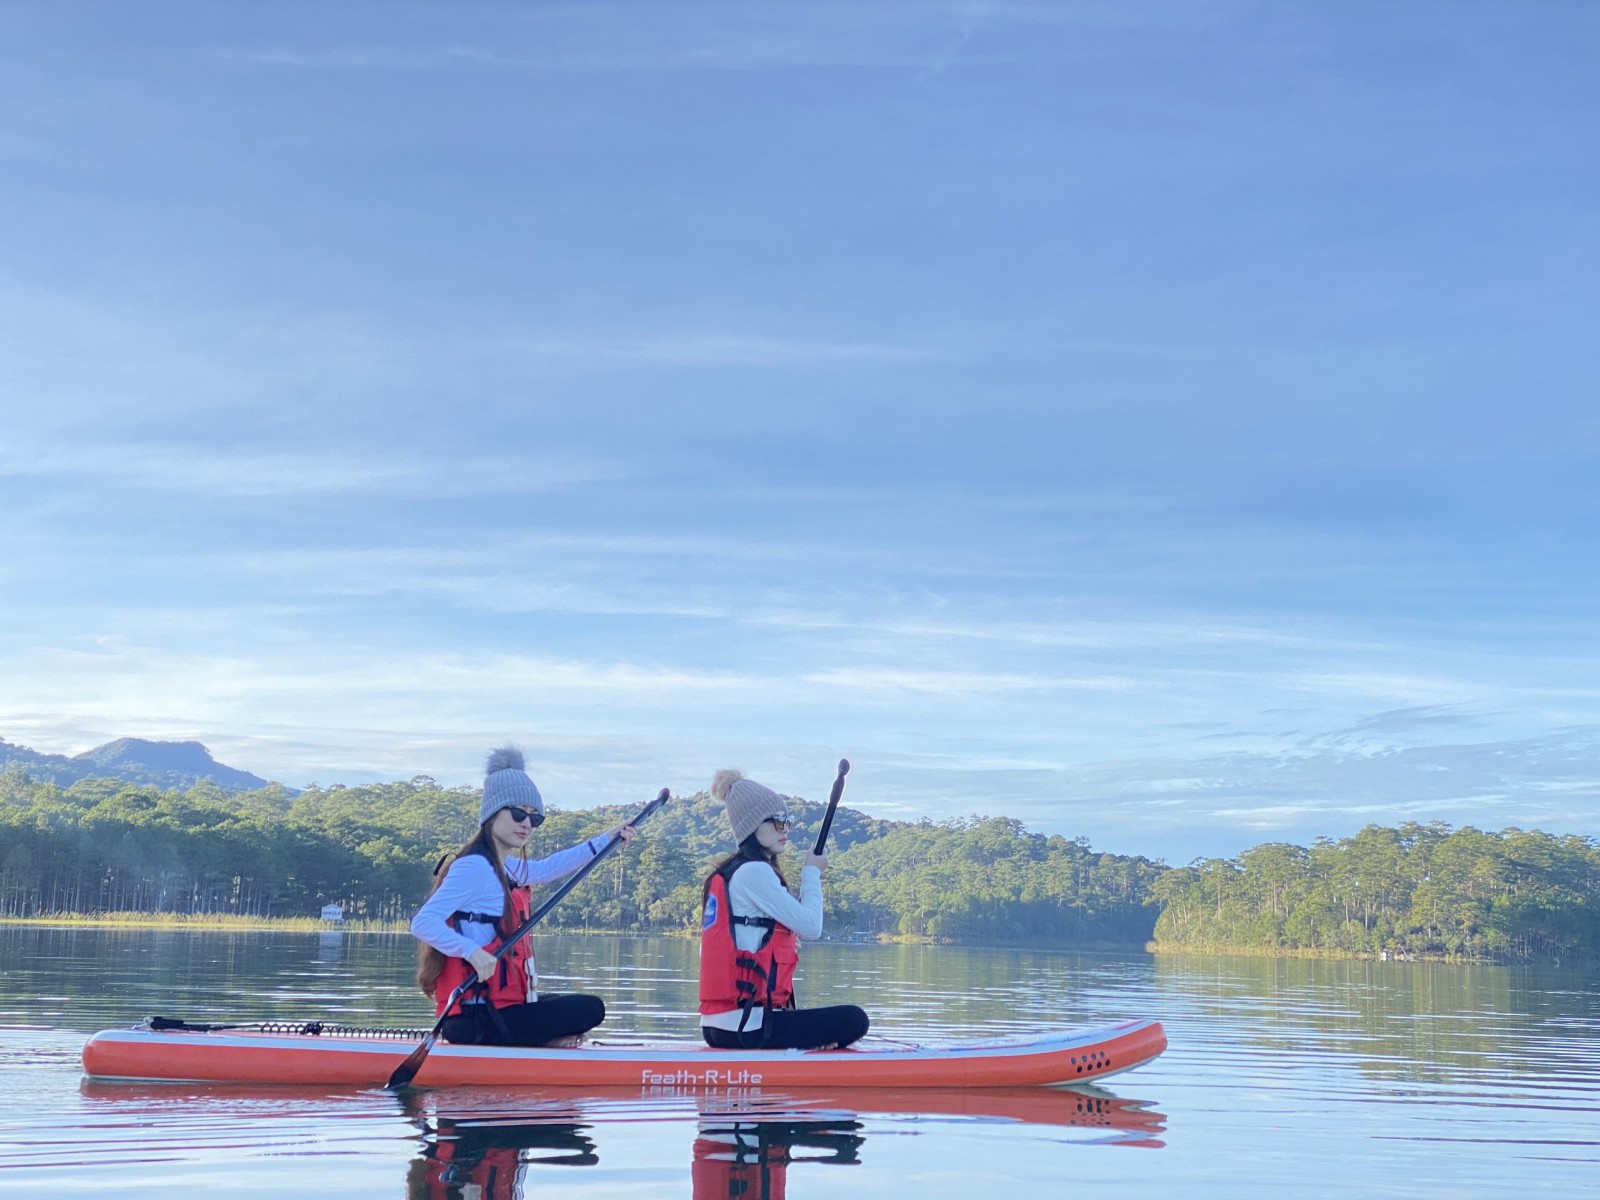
1284,1078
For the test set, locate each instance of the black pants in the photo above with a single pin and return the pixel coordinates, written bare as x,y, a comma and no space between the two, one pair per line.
545,1020
795,1029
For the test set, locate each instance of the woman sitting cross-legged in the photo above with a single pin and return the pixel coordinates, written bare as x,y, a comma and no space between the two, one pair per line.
482,897
750,930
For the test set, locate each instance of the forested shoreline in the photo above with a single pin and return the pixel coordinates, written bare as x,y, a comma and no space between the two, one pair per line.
1412,891
105,845
111,846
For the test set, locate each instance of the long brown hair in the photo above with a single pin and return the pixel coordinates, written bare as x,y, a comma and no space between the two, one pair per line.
750,850
430,962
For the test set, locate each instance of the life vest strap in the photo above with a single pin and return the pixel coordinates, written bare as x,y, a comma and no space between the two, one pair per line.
508,984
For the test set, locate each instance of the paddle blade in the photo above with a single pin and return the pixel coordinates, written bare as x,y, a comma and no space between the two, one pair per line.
407,1071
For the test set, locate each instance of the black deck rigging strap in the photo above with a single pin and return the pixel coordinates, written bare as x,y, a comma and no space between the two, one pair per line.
298,1028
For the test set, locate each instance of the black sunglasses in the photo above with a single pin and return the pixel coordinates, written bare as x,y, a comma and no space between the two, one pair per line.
519,815
781,824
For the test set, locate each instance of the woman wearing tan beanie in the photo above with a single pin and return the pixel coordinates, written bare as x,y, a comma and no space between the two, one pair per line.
750,932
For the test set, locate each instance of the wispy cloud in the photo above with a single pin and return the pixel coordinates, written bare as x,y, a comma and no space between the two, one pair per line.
1113,437
709,56
886,683
1431,717
210,469
710,349
1280,786
566,39
925,38
1222,804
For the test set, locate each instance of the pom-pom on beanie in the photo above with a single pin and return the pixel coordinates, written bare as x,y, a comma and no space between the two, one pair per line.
748,802
506,785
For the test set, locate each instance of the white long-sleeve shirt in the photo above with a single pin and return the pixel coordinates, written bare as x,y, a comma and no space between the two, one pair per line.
755,890
469,885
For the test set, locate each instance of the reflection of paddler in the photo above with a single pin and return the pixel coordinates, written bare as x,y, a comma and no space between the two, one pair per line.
485,1161
749,1160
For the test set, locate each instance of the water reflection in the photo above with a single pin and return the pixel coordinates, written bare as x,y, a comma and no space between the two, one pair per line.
495,1143
475,1159
481,1145
750,1160
1284,1077
330,946
1111,1119
1438,1025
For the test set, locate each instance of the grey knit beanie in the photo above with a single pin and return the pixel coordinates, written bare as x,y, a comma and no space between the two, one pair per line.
748,802
506,785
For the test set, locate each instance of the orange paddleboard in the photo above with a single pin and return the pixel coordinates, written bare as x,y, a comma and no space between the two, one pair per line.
347,1057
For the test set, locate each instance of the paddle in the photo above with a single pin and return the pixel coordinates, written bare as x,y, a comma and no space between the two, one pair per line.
407,1071
833,805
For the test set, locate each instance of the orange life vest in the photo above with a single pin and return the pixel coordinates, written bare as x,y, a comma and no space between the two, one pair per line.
492,1176
732,978
724,1172
509,983
486,1162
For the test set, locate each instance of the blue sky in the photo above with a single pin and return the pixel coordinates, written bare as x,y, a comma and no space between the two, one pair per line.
1170,423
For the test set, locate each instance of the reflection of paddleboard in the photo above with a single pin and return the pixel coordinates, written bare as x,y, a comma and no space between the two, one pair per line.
1062,1107
467,1107
335,1056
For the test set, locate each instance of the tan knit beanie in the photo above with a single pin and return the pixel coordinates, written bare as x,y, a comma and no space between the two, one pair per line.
748,802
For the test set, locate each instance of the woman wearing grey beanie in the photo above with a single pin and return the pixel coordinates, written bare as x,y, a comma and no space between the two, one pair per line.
482,896
749,935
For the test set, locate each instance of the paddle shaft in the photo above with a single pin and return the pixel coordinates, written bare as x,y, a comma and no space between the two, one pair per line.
833,806
521,931
407,1071
616,840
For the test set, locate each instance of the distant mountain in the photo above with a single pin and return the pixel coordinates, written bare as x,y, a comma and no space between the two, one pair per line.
166,764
